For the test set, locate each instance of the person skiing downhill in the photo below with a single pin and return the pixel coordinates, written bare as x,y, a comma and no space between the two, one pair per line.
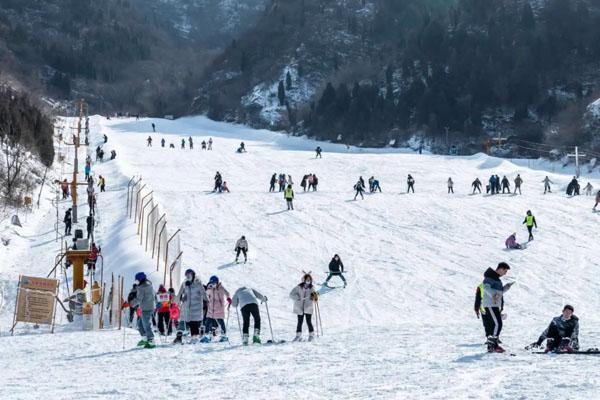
144,300
450,186
562,335
491,296
518,183
530,222
476,185
191,298
547,183
359,187
217,295
304,295
597,200
288,195
247,299
241,246
411,184
511,242
336,268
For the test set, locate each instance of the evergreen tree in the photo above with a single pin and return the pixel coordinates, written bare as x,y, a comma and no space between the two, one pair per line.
281,94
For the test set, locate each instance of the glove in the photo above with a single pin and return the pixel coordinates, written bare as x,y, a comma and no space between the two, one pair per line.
314,296
533,345
265,299
229,300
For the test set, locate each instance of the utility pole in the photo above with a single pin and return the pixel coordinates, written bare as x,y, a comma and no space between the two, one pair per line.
76,141
576,155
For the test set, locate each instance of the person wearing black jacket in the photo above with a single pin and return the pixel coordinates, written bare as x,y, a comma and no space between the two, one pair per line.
68,222
273,181
336,268
130,298
562,335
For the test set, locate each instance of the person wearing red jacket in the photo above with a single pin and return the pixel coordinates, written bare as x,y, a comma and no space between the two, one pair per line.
174,310
163,309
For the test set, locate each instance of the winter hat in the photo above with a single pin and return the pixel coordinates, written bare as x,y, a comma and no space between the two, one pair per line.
161,289
190,271
213,279
568,307
503,265
140,276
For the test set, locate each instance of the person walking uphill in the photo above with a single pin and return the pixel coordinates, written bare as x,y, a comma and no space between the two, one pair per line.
530,222
247,299
288,195
144,299
304,295
336,268
217,295
191,298
492,303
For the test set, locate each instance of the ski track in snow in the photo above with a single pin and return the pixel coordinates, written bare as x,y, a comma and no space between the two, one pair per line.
404,327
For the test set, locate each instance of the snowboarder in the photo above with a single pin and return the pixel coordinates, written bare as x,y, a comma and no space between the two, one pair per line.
450,186
518,182
162,142
597,200
318,150
241,246
304,295
476,185
101,183
505,185
562,335
359,190
210,142
163,310
144,299
511,242
588,189
247,299
492,303
272,183
217,294
411,184
149,141
191,142
68,222
191,298
547,183
530,222
288,195
336,268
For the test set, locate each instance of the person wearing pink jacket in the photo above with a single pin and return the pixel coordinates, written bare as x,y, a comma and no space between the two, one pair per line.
217,297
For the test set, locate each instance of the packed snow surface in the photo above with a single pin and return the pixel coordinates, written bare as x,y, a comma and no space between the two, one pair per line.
403,328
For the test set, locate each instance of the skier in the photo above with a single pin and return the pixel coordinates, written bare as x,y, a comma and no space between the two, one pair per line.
476,185
304,295
130,299
505,185
511,242
68,222
105,138
336,268
288,195
518,182
371,179
162,142
272,183
218,182
203,145
547,183
191,298
530,223
89,222
247,299
359,190
597,200
93,257
183,143
87,170
302,183
210,142
144,299
492,185
153,127
318,151
191,142
411,183
450,186
588,189
149,141
163,310
101,183
562,335
492,292
241,246
216,309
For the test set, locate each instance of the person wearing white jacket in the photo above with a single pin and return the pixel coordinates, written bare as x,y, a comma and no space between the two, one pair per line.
241,246
247,299
304,296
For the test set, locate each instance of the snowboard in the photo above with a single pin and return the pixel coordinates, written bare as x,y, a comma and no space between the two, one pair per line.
588,352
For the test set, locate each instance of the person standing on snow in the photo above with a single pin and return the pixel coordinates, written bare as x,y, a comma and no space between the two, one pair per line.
288,195
476,185
272,183
411,183
89,223
217,295
203,145
304,295
130,299
101,183
302,183
163,310
597,200
505,185
183,143
241,246
318,151
376,186
518,182
174,312
547,183
210,143
450,186
87,170
218,181
68,222
588,189
162,142
247,299
562,335
282,182
336,268
149,141
191,142
191,298
359,190
153,127
492,303
530,222
144,300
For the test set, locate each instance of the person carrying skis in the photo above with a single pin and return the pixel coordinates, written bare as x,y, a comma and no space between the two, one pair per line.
450,186
318,150
597,200
304,295
144,300
547,183
588,189
530,222
149,141
247,299
359,190
562,335
288,195
191,298
162,142
101,183
511,242
518,182
217,294
336,268
505,185
68,222
163,310
476,185
273,182
241,246
411,183
492,303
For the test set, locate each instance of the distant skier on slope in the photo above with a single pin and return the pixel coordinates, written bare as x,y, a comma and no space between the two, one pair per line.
318,150
411,184
359,187
511,242
336,268
476,185
573,187
144,299
492,292
191,143
562,335
530,222
547,183
304,295
153,127
518,183
218,181
217,295
247,299
588,189
450,186
241,246
210,142
288,195
183,143
149,141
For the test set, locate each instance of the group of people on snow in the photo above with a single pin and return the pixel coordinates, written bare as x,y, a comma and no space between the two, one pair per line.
310,181
220,184
205,145
495,185
282,180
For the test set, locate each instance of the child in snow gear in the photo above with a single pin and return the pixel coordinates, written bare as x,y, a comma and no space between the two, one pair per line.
450,186
224,187
336,268
217,295
360,188
318,151
191,298
547,183
511,242
530,222
562,335
144,299
492,303
476,185
518,182
288,195
247,300
241,246
163,310
174,312
304,295
411,184
68,222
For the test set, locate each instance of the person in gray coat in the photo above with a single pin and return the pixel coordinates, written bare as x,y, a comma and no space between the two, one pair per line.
191,298
492,303
304,296
144,299
247,300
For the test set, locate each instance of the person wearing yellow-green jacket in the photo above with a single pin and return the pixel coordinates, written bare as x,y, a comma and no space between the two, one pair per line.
288,195
530,222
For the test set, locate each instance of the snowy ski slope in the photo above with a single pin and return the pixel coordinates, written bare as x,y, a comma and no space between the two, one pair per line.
404,327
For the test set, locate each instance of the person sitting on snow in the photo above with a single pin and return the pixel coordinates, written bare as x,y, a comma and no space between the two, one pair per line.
562,335
511,242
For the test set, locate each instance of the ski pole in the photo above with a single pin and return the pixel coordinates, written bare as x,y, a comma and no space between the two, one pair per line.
269,318
319,317
227,325
239,325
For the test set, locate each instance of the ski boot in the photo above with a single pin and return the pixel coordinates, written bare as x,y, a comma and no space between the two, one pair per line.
142,343
298,337
223,339
311,337
178,338
205,339
149,344
245,339
492,344
256,337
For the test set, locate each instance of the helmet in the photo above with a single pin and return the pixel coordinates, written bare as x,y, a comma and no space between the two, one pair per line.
140,276
190,271
213,279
